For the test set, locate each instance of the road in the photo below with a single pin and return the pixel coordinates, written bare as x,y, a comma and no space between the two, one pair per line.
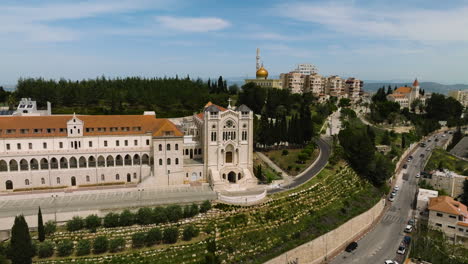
382,242
325,151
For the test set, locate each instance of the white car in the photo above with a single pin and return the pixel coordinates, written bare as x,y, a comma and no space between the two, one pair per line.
401,250
408,228
391,198
391,262
396,188
418,175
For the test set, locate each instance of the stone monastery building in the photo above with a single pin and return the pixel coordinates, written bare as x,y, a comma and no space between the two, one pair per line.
39,150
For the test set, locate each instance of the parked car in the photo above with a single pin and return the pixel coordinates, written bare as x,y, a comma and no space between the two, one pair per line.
396,188
394,193
411,157
391,198
405,166
390,262
351,247
436,140
401,249
408,228
418,175
450,132
422,155
407,240
411,222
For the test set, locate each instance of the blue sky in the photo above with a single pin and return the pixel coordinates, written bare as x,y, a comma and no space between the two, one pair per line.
370,40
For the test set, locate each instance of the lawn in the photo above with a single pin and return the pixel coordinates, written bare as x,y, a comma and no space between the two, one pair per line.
267,171
290,162
447,161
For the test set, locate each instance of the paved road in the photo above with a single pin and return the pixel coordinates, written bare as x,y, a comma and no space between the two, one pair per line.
382,242
325,151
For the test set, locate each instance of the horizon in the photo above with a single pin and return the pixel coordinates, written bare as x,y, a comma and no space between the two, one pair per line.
164,38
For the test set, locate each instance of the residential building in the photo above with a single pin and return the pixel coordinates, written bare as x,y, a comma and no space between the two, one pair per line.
422,202
306,69
447,180
353,88
461,96
62,151
334,86
450,217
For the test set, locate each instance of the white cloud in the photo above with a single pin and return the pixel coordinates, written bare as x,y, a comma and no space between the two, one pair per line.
192,24
411,24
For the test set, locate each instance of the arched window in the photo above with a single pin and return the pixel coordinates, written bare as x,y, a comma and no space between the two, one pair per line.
13,165
3,165
101,161
91,162
118,160
103,178
34,164
186,152
44,164
54,163
128,160
136,159
87,178
63,163
58,180
73,163
176,146
26,182
168,147
9,185
160,162
160,147
199,151
145,159
110,161
42,181
117,177
168,161
134,175
177,161
24,165
82,162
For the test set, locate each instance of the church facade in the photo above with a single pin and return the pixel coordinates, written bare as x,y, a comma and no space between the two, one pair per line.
72,151
405,96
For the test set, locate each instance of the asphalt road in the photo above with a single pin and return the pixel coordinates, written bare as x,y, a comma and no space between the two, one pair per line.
325,151
382,242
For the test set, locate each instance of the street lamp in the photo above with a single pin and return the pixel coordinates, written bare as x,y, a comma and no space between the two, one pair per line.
139,194
54,196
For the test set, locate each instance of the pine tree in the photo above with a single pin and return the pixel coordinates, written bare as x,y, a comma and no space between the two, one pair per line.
40,226
464,196
21,245
403,141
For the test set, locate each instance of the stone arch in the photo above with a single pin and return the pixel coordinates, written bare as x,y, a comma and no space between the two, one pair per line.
101,161
129,177
136,159
91,162
73,163
168,161
73,181
58,180
9,185
34,165
128,160
239,176
177,161
232,177
3,165
82,162
118,160
110,161
117,177
193,177
26,182
229,154
145,159
44,164
13,165
63,163
24,165
54,163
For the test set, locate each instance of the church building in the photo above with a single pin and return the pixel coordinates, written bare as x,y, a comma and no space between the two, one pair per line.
405,96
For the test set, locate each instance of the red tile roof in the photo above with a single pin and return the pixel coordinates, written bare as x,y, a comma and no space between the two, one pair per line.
447,204
202,114
403,90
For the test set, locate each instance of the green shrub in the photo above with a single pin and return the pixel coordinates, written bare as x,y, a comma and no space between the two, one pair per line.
50,227
45,249
92,222
170,235
117,244
187,211
153,236
174,213
205,206
138,239
83,247
194,209
144,216
111,220
100,244
75,224
65,248
159,215
126,218
285,152
190,231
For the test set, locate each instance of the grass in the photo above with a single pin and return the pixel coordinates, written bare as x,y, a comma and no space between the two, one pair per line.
269,173
448,161
289,163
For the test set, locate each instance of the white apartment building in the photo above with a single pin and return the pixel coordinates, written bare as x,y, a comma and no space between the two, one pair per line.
461,96
62,151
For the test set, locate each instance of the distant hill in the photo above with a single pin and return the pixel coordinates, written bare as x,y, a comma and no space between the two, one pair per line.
432,87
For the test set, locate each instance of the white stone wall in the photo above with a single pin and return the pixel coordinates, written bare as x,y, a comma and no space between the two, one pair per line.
168,160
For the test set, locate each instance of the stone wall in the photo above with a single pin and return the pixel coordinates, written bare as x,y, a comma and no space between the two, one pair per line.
325,246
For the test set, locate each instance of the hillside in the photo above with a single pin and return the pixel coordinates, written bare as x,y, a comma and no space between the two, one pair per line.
431,87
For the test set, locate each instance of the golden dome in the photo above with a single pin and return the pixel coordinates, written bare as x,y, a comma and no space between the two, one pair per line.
262,73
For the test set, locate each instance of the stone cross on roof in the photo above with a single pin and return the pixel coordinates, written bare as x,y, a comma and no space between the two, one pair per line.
229,103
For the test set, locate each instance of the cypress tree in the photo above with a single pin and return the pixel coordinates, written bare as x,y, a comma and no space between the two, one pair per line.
403,141
40,226
21,245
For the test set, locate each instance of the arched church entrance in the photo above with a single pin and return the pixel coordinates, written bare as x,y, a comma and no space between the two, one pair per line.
194,176
73,181
9,185
232,177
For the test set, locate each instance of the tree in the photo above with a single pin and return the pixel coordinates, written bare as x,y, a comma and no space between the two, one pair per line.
126,218
138,239
189,232
205,206
50,227
344,102
45,249
117,244
159,215
464,196
92,222
83,247
386,138
170,235
20,244
40,226
111,220
100,244
153,237
75,224
64,248
174,213
403,141
144,216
